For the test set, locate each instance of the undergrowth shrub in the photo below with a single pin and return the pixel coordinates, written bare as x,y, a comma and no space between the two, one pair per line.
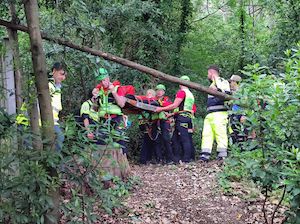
271,101
26,183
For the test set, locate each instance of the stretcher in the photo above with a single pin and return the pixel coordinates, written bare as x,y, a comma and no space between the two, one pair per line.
136,104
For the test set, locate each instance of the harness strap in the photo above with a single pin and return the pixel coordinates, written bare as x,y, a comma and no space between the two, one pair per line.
184,113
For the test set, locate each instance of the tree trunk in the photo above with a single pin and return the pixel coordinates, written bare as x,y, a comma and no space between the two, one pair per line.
35,126
186,11
41,81
242,34
125,62
13,39
14,43
33,109
40,71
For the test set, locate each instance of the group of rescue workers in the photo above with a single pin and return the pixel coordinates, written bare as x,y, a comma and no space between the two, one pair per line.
179,146
167,131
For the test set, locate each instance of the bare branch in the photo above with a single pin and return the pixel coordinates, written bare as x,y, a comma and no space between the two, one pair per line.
279,203
210,14
264,206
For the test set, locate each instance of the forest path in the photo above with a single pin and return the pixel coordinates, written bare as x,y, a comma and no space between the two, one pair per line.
184,194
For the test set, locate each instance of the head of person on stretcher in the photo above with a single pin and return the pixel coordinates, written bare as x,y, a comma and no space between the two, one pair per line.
150,94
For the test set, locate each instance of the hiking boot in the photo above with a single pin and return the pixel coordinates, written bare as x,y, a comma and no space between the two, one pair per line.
169,162
203,159
219,158
222,154
159,162
220,161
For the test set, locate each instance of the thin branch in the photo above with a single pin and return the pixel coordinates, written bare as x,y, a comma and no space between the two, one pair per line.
279,203
210,14
98,162
207,8
82,204
264,209
257,10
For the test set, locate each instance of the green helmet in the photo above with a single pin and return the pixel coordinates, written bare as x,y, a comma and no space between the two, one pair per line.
160,87
185,77
101,74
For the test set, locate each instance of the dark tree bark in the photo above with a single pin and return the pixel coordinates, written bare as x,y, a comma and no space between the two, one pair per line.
14,43
125,62
34,125
186,12
242,34
41,81
33,108
39,67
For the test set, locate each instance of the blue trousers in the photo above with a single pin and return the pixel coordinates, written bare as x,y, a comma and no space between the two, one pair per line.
59,139
27,138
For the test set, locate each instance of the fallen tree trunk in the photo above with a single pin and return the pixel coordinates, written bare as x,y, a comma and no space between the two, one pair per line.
122,61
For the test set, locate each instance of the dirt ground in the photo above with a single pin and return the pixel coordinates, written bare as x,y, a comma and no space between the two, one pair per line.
188,194
182,194
185,194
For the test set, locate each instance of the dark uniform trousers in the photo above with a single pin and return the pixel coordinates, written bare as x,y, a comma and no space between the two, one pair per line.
165,128
182,138
151,143
193,155
115,123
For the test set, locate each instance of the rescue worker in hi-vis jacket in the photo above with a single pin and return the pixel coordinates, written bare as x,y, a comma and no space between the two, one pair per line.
55,85
183,120
89,113
215,122
164,124
111,100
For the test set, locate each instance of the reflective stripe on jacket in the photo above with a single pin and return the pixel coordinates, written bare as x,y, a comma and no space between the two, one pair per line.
215,104
22,117
108,105
187,104
87,108
55,93
163,115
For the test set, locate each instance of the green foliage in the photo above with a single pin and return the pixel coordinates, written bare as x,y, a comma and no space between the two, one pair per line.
25,185
177,37
236,169
135,140
197,135
6,121
286,30
84,178
25,180
271,104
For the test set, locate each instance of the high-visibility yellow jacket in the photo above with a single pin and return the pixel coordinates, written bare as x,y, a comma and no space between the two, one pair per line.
88,110
216,104
187,104
22,117
55,93
108,106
